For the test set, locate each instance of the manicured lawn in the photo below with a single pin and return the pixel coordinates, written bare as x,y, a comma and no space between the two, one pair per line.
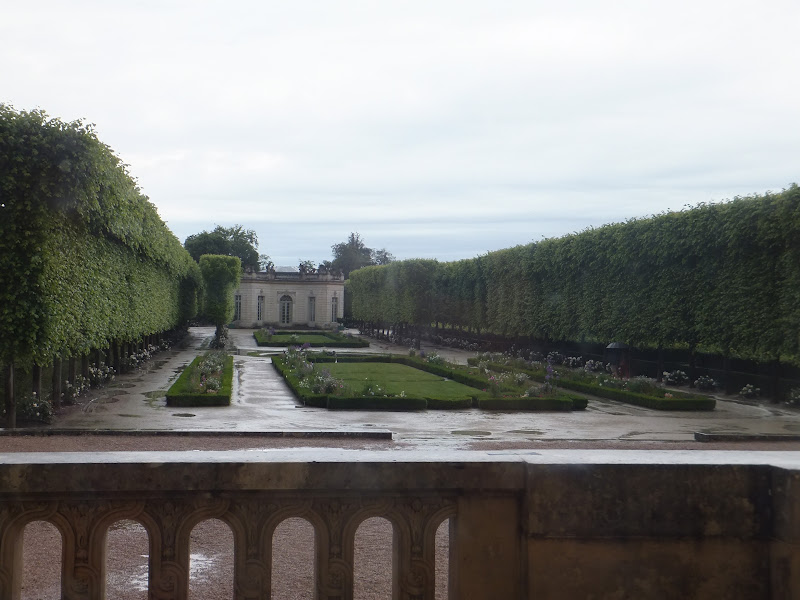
394,379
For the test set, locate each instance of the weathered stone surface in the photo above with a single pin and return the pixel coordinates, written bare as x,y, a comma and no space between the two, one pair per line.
670,501
614,569
543,526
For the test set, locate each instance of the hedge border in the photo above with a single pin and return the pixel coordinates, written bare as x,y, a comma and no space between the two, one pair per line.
337,340
177,398
685,402
562,402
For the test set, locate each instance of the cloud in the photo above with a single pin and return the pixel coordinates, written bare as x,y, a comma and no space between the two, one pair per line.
442,129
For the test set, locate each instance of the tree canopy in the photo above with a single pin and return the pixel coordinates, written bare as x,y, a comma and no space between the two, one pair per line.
354,254
227,241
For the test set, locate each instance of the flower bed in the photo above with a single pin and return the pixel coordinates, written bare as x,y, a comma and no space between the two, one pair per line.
315,379
206,381
310,339
637,391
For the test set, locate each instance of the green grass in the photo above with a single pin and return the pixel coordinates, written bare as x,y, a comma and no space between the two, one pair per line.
396,378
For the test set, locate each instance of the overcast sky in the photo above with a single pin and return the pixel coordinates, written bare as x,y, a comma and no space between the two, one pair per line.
441,129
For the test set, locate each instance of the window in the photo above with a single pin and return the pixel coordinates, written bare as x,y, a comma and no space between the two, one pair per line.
286,310
334,309
237,307
312,309
260,316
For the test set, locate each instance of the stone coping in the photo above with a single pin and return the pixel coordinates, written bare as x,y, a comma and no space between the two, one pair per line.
782,459
375,434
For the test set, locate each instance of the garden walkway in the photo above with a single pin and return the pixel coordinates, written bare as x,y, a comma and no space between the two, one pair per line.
263,403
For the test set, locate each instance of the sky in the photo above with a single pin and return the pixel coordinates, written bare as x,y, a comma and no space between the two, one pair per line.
435,129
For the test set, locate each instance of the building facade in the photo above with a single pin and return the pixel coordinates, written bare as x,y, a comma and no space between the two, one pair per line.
289,299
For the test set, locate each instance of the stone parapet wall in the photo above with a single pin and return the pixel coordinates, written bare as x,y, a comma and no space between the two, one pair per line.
535,525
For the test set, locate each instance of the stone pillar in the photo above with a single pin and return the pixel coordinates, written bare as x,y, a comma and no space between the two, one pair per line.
83,570
485,552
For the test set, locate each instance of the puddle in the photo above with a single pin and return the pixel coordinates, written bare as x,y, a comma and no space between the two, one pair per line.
156,394
183,415
471,432
131,416
122,385
527,431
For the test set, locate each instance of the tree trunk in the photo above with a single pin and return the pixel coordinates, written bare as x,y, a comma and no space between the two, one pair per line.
660,365
11,401
55,398
36,383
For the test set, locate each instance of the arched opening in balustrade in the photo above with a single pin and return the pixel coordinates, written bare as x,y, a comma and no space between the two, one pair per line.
127,560
42,551
293,560
211,560
373,559
442,549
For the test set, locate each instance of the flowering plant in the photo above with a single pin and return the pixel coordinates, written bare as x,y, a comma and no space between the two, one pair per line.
749,391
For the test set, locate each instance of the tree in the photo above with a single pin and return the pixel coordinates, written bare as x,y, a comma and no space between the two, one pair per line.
228,241
354,254
221,275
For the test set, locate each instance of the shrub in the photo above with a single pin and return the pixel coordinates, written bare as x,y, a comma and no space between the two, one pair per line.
643,385
705,383
675,378
794,397
749,391
101,374
73,389
32,408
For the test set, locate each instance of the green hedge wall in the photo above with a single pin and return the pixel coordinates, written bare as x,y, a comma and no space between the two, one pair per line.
85,257
724,278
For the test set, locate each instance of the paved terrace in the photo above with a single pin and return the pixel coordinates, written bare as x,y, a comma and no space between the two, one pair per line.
262,403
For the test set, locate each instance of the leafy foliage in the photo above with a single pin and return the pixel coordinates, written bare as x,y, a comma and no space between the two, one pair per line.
221,275
354,254
228,241
85,257
723,277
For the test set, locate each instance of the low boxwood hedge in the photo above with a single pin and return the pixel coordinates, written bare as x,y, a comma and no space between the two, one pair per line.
180,394
557,402
679,401
563,401
376,403
335,340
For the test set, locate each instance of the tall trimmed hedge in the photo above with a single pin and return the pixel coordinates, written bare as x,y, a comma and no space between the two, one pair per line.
724,277
221,276
86,260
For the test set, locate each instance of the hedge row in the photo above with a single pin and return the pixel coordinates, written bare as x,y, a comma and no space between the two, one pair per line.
565,402
337,340
181,394
723,278
86,260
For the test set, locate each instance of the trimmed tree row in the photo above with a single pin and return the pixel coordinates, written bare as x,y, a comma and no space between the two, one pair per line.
721,277
88,267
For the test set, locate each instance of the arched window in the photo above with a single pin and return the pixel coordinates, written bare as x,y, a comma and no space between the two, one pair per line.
286,310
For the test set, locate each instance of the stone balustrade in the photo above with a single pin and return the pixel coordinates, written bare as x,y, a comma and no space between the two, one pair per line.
550,524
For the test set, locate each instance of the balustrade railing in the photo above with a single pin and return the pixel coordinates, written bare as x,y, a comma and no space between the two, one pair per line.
531,526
